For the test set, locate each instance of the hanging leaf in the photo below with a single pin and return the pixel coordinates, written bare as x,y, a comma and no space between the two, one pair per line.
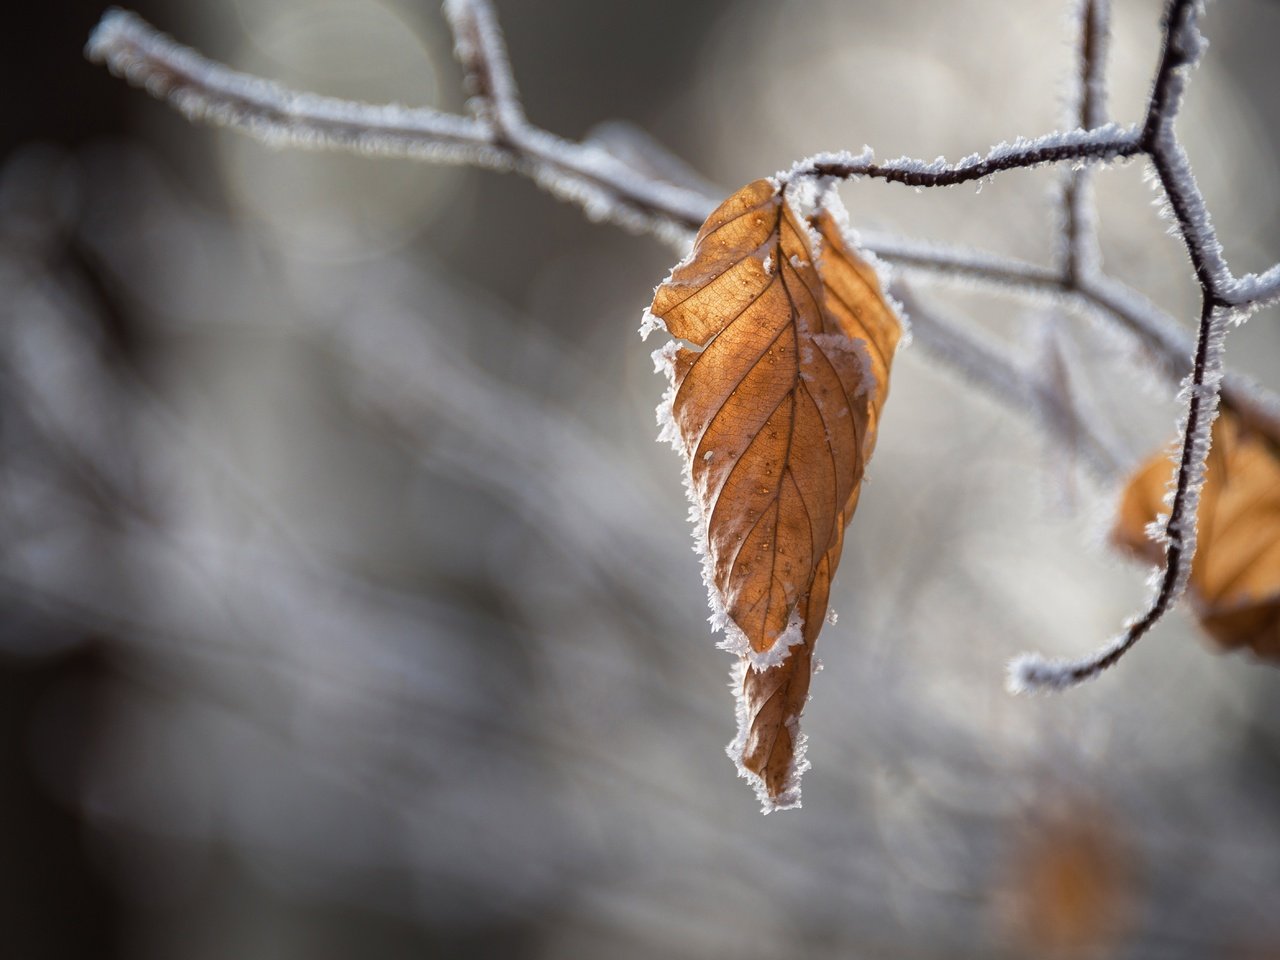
774,404
1235,575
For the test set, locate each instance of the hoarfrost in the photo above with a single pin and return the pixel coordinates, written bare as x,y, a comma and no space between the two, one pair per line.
1030,672
735,640
788,797
482,51
202,90
648,324
834,158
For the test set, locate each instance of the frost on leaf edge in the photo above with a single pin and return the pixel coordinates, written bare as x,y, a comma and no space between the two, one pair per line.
735,640
811,197
789,796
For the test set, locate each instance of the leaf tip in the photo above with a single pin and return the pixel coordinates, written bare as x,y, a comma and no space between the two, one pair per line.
786,794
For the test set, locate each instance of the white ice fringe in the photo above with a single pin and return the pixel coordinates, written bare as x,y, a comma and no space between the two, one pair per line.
203,90
788,797
735,640
1107,136
207,91
1031,672
479,47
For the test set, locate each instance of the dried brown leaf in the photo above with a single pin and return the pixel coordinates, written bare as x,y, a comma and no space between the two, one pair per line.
774,405
1070,884
1235,576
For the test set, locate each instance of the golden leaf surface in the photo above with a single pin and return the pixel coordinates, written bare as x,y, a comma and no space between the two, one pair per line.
774,408
1235,575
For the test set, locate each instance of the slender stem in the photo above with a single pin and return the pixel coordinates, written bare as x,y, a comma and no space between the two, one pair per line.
1095,30
610,189
210,92
1073,146
482,52
1178,50
1081,255
1182,48
1031,672
1166,342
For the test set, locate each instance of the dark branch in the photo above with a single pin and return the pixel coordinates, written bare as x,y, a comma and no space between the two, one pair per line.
606,187
1176,53
1031,673
1111,143
1081,243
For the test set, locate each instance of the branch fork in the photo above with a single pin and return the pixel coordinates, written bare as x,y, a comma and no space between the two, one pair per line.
497,135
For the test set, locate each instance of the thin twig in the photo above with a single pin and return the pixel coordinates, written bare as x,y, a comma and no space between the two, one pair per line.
1167,344
1182,48
1081,255
210,92
1031,672
480,49
607,188
1111,142
1095,33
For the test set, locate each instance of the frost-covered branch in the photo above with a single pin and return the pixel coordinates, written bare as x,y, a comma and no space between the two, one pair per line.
209,92
609,187
1183,46
606,185
1096,142
1167,344
1031,672
1170,347
584,173
480,49
1111,142
1095,35
1080,253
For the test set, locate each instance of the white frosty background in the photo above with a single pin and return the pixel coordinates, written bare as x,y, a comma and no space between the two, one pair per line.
407,644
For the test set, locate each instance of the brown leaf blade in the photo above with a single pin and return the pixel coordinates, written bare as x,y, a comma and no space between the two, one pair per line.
774,406
769,749
1235,576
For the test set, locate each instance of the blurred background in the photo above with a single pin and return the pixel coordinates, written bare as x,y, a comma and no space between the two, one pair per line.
347,605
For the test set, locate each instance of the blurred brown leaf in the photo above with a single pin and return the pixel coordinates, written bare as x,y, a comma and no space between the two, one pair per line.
1069,888
1235,577
775,412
